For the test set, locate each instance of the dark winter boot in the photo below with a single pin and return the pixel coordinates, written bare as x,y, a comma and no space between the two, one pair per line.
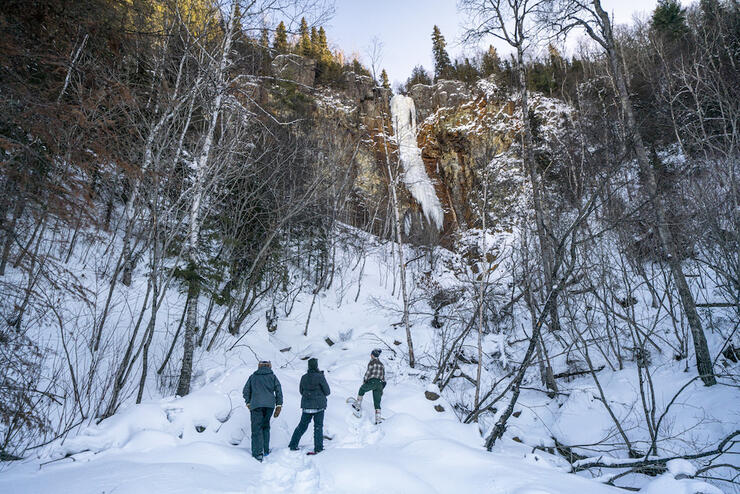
377,416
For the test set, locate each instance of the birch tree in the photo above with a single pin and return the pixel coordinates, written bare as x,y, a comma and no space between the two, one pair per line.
200,164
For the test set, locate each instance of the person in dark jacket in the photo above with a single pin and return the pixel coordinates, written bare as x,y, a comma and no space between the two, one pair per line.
262,394
314,390
374,381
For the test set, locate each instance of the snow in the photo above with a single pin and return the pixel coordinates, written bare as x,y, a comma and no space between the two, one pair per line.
403,113
200,443
153,447
680,466
666,484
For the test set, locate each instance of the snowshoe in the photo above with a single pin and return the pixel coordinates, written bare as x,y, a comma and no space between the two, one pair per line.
313,453
356,407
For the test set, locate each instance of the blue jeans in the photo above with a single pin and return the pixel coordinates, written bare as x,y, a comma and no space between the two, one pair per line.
318,430
260,418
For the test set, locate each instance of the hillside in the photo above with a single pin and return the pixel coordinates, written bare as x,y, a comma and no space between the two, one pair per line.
543,242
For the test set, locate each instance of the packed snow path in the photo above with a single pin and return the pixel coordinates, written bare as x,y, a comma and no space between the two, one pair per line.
157,446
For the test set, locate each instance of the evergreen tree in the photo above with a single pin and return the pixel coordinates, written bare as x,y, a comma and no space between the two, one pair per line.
358,68
304,42
265,38
442,67
490,63
559,67
322,47
281,38
419,75
314,43
384,82
669,19
466,71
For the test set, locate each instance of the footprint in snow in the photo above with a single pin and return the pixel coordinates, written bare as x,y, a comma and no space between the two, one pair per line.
362,432
289,471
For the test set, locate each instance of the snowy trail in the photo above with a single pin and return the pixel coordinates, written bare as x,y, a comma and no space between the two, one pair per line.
415,450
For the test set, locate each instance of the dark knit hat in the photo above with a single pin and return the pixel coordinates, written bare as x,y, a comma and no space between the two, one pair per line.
376,353
313,364
264,363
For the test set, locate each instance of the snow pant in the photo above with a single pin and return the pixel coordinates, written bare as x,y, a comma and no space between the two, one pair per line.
376,386
318,430
260,418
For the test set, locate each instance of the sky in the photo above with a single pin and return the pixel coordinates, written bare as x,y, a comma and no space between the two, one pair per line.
405,28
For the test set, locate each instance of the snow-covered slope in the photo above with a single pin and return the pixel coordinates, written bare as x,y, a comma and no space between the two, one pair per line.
155,447
200,443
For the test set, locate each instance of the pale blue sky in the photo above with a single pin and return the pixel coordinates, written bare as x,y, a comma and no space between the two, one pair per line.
405,28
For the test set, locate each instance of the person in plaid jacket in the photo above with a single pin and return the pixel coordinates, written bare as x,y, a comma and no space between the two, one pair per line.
374,381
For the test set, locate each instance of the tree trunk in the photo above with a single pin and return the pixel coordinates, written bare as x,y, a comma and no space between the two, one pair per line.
10,234
401,261
194,223
546,250
701,349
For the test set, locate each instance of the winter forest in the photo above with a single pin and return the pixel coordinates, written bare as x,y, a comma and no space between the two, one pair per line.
539,241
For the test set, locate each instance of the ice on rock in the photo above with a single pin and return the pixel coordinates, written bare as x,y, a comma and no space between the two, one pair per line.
403,113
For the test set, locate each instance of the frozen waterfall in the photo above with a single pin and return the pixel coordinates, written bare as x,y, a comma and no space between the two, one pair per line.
415,175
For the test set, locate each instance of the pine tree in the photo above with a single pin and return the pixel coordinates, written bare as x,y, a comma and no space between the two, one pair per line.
358,68
465,71
314,43
322,47
442,65
384,82
265,38
491,63
669,19
304,42
281,38
419,75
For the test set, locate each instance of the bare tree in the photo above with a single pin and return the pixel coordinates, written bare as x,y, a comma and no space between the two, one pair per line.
374,52
513,21
592,17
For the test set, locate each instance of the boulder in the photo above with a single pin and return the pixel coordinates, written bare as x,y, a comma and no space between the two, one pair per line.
431,395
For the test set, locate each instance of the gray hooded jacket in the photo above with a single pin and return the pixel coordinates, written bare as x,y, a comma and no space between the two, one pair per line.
263,389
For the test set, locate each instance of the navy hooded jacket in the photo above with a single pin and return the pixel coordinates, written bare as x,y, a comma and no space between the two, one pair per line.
314,388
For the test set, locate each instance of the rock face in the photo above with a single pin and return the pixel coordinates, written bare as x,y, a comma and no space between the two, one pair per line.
465,135
442,94
295,68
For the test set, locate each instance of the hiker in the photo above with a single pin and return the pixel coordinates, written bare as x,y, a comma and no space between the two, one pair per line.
262,394
374,381
314,390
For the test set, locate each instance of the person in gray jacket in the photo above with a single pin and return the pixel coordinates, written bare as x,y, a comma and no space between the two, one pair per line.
262,394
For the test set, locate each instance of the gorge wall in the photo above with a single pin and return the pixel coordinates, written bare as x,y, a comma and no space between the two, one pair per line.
463,135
